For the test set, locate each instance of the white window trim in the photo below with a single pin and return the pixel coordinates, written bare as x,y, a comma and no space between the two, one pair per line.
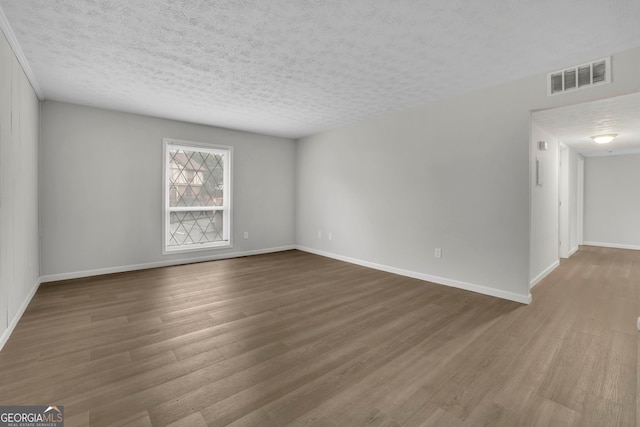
228,196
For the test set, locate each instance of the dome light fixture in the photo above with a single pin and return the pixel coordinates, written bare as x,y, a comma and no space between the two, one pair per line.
604,139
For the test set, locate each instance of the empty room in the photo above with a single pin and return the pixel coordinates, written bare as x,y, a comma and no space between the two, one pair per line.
319,213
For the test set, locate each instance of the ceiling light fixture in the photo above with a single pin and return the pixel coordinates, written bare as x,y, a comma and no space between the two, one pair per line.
604,139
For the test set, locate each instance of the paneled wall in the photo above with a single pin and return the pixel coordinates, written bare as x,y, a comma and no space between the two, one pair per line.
19,246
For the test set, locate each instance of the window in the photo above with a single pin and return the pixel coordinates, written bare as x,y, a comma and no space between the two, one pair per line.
197,196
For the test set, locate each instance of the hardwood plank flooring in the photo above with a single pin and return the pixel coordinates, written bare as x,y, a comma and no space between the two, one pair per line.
296,339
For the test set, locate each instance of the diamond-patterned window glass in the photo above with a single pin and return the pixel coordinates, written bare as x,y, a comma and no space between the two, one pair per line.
195,227
196,178
197,199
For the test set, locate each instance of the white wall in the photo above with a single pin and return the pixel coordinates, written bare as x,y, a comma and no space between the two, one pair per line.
101,180
453,174
544,206
19,248
612,201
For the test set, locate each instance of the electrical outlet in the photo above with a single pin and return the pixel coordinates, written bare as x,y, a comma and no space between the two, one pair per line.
330,236
246,234
438,253
319,234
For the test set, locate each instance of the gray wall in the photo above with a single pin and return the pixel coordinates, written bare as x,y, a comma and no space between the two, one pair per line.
19,248
454,174
612,201
101,180
546,215
544,206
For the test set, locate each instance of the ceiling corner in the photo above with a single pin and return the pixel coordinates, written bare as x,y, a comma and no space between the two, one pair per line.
17,50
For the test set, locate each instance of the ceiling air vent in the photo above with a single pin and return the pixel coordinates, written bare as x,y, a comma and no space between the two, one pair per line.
580,76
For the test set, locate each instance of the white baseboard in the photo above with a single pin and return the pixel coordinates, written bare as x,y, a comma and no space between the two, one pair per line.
573,251
545,273
524,299
168,263
87,273
14,322
612,245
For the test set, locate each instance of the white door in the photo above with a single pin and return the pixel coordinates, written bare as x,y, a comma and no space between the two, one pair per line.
563,202
580,200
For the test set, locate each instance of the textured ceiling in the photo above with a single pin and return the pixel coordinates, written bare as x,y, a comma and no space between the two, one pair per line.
296,67
576,124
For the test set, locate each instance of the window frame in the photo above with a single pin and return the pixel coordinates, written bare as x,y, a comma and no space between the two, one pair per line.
227,152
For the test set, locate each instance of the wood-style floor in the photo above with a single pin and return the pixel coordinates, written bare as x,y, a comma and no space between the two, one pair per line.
297,339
